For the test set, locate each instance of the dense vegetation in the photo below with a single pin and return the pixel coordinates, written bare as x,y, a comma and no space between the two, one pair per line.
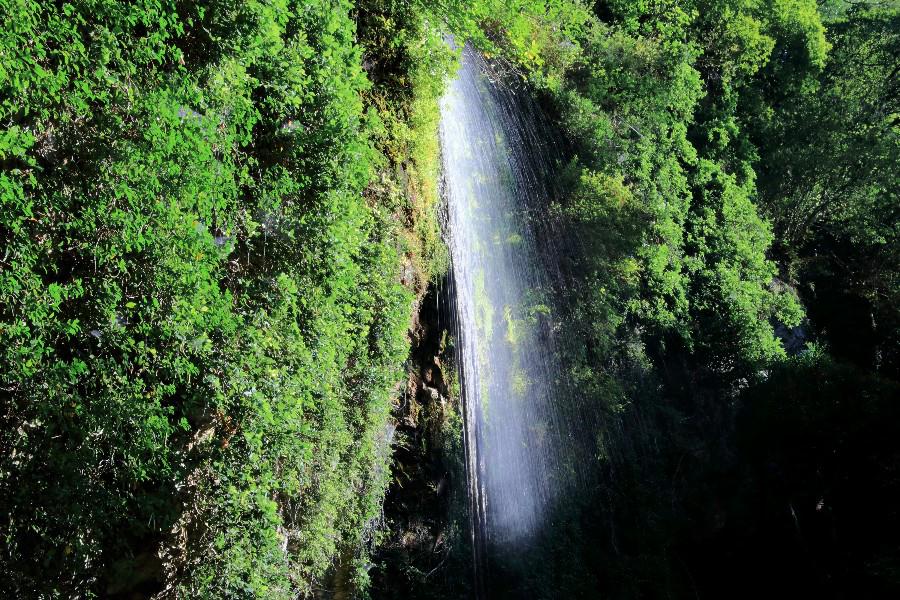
733,198
215,217
202,310
731,205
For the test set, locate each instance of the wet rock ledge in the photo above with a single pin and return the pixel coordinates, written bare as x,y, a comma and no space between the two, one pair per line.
425,553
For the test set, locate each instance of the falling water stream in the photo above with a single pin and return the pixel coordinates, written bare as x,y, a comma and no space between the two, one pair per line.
500,164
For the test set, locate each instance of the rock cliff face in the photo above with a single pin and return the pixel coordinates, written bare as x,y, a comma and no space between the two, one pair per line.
425,554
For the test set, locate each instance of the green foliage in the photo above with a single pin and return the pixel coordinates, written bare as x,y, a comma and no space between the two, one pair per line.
721,150
213,216
410,63
829,163
726,242
202,313
650,101
539,36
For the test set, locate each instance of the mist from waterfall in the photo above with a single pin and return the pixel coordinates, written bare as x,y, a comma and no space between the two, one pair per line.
500,166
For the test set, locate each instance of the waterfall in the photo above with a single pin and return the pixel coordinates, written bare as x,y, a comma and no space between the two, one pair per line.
500,166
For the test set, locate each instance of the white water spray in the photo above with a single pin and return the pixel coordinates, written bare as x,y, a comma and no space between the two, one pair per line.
498,155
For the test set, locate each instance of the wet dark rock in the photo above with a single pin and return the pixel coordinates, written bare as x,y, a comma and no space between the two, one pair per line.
415,560
792,338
